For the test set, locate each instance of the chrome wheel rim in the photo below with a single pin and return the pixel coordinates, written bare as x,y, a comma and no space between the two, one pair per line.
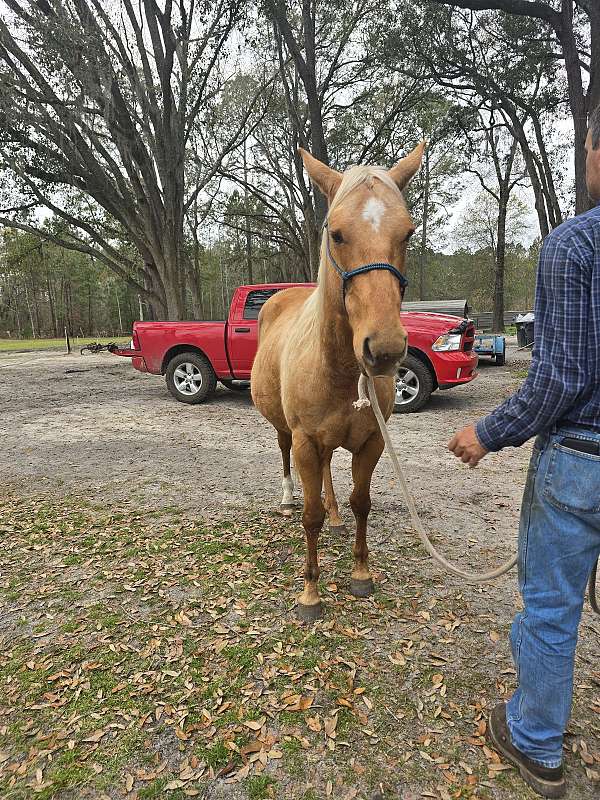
187,378
407,386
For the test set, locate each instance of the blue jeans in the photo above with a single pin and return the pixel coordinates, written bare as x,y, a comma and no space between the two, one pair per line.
559,542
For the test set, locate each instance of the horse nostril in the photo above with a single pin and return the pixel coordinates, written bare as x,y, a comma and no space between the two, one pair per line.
369,357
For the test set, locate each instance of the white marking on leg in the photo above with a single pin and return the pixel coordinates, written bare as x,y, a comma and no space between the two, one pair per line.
373,212
287,484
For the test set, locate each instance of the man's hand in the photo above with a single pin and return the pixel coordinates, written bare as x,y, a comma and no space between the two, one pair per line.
465,445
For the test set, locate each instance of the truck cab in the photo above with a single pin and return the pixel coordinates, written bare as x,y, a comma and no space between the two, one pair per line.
194,356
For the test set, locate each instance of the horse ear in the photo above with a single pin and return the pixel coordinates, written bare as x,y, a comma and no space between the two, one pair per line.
405,169
327,179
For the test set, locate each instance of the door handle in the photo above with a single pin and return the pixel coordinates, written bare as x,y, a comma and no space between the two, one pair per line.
242,330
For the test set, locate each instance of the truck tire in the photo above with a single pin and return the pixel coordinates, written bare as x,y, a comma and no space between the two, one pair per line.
501,357
190,378
414,385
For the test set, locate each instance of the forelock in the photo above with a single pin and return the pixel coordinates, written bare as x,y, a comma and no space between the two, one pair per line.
362,175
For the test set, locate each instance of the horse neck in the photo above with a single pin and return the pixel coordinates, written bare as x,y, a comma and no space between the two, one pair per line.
335,333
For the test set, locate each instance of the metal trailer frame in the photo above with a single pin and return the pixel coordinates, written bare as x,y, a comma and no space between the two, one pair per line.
491,344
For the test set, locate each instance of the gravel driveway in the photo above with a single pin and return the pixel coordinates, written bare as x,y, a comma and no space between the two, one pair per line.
92,427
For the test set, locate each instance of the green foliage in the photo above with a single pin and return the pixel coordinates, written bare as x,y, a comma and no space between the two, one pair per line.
469,275
45,288
387,75
258,787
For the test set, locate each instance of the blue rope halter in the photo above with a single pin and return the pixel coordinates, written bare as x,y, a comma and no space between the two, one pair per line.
346,275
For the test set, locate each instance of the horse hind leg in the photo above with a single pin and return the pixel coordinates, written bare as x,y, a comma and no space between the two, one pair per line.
287,501
336,523
363,464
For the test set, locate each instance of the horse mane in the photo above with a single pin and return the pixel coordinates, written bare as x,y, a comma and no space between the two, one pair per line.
311,313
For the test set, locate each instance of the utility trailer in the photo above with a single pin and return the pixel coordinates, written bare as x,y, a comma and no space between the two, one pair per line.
492,345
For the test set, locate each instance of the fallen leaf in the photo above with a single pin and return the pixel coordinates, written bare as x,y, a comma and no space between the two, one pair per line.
95,737
255,724
330,726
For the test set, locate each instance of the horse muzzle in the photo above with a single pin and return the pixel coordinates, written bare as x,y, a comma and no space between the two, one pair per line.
381,360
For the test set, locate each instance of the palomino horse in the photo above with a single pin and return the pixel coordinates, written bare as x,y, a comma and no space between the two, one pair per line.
315,343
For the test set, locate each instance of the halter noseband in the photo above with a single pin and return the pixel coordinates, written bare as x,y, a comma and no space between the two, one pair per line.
346,275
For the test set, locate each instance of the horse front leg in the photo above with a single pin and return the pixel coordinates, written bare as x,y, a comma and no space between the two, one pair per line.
336,523
309,464
287,501
363,464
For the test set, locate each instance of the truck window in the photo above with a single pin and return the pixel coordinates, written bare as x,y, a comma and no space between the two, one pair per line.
255,301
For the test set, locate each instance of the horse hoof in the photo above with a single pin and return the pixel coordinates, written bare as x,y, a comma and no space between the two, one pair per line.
360,587
338,530
286,509
310,613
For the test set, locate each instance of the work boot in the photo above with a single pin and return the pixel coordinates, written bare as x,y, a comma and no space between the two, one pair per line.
546,781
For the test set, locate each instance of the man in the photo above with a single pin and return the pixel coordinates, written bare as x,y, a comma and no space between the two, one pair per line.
559,530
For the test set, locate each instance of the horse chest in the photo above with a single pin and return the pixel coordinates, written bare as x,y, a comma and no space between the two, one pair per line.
330,428
362,425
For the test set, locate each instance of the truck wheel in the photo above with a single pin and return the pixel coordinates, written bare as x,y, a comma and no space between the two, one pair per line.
414,385
190,378
235,386
501,357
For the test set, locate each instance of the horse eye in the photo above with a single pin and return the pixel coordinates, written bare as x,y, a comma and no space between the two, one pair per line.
337,237
409,234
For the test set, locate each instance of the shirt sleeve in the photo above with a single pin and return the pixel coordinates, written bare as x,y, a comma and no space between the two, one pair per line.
558,372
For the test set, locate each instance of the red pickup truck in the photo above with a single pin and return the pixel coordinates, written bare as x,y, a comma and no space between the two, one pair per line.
193,356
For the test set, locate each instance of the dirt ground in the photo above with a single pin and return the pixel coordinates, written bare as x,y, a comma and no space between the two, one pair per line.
90,445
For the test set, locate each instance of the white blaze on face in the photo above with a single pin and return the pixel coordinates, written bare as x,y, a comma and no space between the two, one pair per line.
373,212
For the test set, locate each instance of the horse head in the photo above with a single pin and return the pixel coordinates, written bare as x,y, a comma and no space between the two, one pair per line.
363,254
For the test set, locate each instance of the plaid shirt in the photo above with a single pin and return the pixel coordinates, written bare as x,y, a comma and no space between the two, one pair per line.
563,384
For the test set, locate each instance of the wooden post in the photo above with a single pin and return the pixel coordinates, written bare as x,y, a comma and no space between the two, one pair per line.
67,340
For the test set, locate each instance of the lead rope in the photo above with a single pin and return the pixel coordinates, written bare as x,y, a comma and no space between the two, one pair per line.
592,589
474,577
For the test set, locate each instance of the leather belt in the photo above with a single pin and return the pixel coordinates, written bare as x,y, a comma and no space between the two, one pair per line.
581,445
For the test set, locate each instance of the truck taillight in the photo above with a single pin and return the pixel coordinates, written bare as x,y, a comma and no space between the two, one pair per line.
135,344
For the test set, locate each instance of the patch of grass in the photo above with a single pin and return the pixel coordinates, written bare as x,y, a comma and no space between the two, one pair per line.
216,756
65,774
240,656
73,655
23,345
32,682
73,560
69,595
295,760
310,794
258,787
117,754
155,790
101,614
346,722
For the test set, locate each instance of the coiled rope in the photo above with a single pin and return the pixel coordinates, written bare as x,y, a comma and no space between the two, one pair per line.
472,577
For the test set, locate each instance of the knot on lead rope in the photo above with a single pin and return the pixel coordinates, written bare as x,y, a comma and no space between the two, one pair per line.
363,398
